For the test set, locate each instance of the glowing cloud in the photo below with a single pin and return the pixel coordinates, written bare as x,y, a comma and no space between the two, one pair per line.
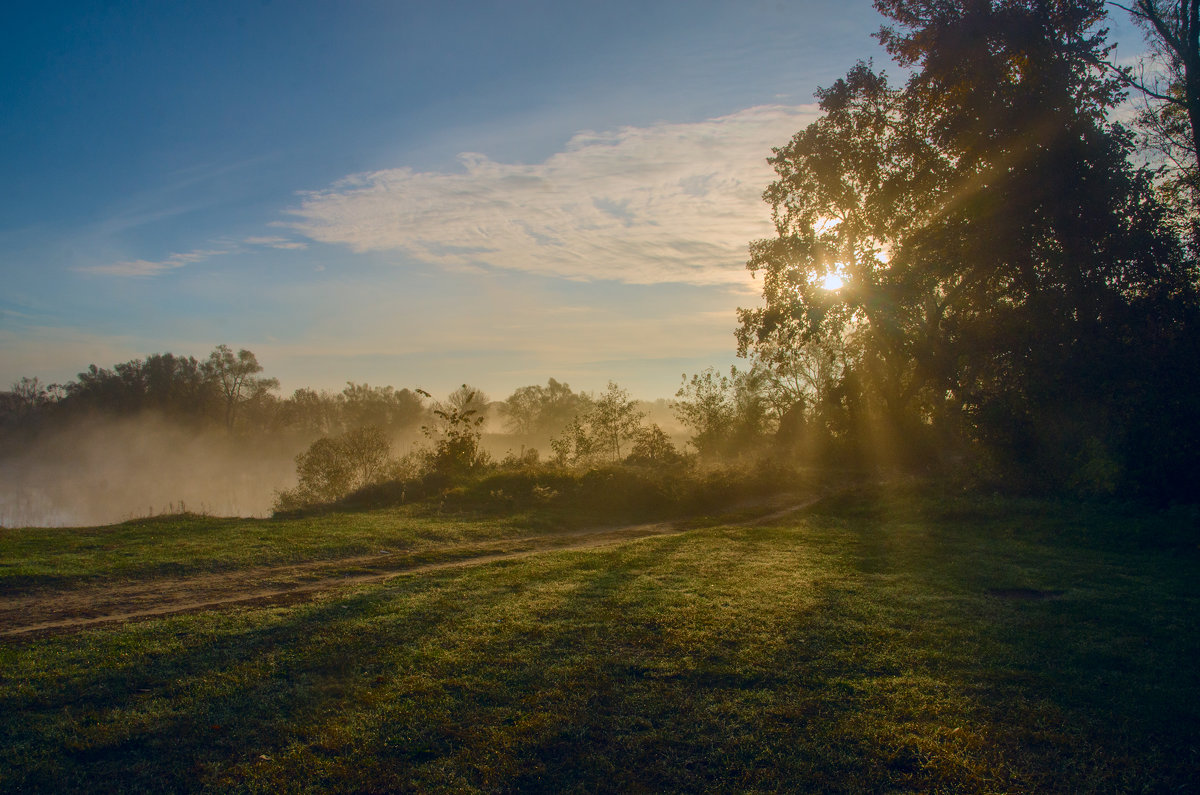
666,203
276,242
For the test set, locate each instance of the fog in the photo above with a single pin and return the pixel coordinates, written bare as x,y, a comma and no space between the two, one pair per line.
111,470
96,470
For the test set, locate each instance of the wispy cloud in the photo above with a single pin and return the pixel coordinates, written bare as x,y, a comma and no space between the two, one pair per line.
276,242
142,267
643,205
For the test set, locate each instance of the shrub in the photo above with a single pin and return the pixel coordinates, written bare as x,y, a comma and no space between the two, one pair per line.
334,467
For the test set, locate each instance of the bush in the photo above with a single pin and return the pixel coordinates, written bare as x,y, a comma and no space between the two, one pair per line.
334,467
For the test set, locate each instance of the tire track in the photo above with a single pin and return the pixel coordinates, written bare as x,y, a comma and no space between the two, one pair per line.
80,608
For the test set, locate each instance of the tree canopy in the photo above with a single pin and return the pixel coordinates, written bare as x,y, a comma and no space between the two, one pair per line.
1008,276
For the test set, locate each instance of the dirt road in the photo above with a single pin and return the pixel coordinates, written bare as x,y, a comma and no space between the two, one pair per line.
76,608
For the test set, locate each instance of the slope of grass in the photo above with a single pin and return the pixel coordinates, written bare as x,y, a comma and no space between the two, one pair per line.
502,505
186,544
873,644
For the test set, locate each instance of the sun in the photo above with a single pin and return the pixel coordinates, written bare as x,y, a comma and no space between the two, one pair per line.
833,281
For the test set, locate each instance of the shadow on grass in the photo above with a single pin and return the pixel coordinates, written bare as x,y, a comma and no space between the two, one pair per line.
857,649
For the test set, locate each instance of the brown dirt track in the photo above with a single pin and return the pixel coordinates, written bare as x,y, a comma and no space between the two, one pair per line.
69,609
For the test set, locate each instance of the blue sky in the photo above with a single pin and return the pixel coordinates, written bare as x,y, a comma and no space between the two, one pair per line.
405,193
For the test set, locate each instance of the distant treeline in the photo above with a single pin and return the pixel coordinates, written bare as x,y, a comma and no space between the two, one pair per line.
349,438
228,391
726,416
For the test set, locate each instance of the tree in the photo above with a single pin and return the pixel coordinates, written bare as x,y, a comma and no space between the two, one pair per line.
30,394
235,376
652,447
1172,114
467,398
543,409
334,467
614,419
851,187
576,445
386,407
311,412
704,404
732,415
611,420
97,388
999,253
175,386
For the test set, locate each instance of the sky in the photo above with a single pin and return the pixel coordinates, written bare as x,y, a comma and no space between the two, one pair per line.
418,194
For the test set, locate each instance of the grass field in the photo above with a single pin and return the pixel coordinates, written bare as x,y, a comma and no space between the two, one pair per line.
33,558
876,642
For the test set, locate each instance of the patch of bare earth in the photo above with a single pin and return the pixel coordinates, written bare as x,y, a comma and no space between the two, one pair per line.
74,608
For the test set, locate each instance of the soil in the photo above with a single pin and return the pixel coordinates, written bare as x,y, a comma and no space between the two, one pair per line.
68,609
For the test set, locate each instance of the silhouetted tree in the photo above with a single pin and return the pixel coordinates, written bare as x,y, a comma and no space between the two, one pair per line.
236,378
175,386
614,418
705,405
392,409
1172,113
30,394
1004,263
311,412
732,415
575,445
543,409
334,467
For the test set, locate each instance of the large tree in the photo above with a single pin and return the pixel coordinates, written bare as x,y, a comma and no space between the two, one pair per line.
1000,257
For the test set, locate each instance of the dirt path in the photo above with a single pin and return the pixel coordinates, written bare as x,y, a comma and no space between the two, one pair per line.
76,608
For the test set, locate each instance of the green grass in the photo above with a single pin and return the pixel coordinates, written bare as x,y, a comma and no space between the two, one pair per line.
32,558
855,648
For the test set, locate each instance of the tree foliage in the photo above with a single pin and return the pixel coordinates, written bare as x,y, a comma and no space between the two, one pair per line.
543,410
730,414
236,379
386,407
334,467
1006,270
615,419
653,447
456,431
610,422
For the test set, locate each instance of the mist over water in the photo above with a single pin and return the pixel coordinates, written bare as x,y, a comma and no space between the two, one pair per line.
105,471
97,470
